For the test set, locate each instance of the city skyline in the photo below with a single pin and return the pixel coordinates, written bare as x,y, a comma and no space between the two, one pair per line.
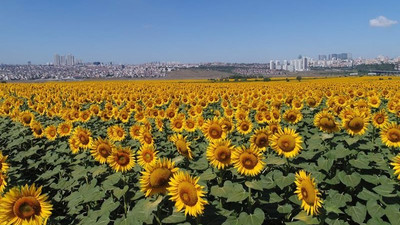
134,32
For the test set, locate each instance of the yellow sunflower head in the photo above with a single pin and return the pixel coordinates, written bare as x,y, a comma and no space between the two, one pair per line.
356,124
83,136
390,135
101,149
380,119
146,155
244,126
3,165
26,118
25,205
37,129
134,131
396,166
187,193
190,124
146,138
156,176
121,159
182,145
213,130
260,139
248,161
219,153
51,132
292,116
64,129
326,122
3,183
308,193
177,124
286,142
116,133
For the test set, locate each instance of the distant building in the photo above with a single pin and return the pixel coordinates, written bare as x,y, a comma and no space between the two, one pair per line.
57,60
272,65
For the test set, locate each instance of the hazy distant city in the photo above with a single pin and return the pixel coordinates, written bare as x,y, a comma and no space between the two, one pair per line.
69,67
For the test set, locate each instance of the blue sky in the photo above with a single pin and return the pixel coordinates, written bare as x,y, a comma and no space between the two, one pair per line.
194,31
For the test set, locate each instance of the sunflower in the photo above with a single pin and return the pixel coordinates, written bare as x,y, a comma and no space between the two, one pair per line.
219,153
390,135
182,145
396,166
51,132
356,124
190,124
380,119
116,133
156,176
274,127
248,161
260,139
3,165
325,121
146,138
187,193
64,129
244,127
83,137
3,183
134,131
227,124
146,155
73,144
374,101
37,129
26,118
213,130
308,193
25,205
286,142
101,149
292,116
121,159
177,124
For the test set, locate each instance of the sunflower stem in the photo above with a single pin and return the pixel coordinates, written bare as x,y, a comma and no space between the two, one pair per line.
198,220
249,202
124,196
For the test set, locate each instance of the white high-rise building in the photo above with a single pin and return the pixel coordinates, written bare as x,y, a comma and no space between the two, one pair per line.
272,65
57,60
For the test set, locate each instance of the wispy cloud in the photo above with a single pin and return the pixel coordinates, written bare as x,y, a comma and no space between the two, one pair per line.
382,21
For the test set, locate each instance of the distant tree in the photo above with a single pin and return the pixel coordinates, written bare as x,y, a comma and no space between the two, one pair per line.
298,78
287,79
267,79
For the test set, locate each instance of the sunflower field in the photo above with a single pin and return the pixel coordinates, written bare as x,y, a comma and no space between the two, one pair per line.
320,151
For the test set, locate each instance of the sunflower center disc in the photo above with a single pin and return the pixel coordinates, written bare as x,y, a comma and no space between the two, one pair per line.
245,127
181,146
222,154
262,140
84,139
104,150
286,143
249,161
394,135
26,207
379,119
122,159
188,193
160,177
215,131
356,124
148,157
147,138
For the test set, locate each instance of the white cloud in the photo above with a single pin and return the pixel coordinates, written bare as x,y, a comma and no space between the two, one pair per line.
382,21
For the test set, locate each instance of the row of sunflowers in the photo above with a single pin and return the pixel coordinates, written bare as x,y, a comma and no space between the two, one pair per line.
174,153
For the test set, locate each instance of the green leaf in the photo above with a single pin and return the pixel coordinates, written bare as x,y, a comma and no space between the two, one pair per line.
224,191
393,214
351,180
274,197
302,216
268,181
367,195
176,217
385,190
118,193
374,210
357,213
238,194
273,160
283,181
285,209
256,185
325,164
207,175
257,218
